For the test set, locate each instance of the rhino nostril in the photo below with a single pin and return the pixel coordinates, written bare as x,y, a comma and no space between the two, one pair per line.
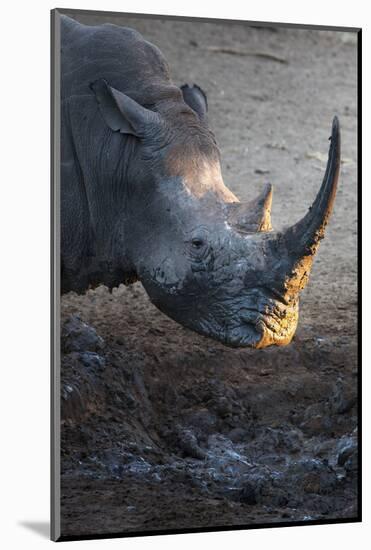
251,317
276,294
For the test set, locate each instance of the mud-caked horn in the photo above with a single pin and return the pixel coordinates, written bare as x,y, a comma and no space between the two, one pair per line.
302,239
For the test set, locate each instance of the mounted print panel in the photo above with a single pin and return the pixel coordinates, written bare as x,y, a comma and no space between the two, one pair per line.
204,186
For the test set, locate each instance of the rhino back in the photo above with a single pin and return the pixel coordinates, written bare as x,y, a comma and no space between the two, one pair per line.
94,159
118,54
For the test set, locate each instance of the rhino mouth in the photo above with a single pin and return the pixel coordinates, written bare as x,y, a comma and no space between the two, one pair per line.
257,334
244,336
272,324
261,317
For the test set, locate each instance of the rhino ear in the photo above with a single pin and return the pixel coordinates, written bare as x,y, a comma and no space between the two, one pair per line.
120,112
196,99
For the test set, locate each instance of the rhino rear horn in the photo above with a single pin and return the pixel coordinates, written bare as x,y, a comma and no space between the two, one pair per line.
253,216
120,112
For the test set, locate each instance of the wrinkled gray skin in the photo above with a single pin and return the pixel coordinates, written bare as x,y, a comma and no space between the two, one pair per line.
142,197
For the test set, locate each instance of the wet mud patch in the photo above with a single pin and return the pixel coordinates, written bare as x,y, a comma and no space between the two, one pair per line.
164,429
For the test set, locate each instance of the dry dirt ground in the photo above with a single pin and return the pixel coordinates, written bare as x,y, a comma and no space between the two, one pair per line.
165,429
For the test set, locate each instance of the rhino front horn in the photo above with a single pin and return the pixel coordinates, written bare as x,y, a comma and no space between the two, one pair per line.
302,239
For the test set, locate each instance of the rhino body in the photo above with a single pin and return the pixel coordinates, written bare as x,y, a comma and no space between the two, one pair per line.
143,198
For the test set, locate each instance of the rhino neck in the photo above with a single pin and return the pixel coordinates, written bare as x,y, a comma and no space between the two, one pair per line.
104,262
97,250
111,264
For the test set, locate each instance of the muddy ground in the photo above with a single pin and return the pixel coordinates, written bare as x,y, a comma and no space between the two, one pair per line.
165,429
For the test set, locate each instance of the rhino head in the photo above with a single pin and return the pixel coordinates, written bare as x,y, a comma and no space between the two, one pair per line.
207,260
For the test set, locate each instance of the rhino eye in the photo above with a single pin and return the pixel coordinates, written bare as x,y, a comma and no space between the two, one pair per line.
197,246
197,243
